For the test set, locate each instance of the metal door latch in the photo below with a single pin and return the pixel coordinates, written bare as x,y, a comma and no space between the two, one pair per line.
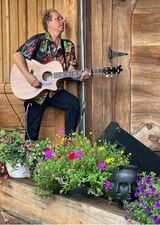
112,54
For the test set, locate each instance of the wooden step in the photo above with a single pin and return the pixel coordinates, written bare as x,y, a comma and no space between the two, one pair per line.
18,198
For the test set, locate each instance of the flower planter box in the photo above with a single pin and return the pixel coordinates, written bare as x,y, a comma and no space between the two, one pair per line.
19,200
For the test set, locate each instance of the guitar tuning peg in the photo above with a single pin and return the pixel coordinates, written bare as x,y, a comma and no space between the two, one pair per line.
107,75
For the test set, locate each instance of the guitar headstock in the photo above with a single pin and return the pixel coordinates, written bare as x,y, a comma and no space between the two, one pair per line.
112,70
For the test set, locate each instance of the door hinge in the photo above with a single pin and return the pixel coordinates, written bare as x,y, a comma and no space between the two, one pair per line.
112,54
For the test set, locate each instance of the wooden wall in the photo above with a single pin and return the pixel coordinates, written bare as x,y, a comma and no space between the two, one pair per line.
146,62
145,78
130,26
19,20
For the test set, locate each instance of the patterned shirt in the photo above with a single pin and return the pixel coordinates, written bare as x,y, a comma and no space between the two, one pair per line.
43,49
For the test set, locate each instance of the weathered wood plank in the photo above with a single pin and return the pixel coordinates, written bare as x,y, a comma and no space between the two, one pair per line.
1,44
97,61
59,209
146,93
147,7
107,83
32,15
41,7
5,40
146,23
145,76
70,10
13,28
122,12
49,4
22,22
146,59
147,39
152,107
145,50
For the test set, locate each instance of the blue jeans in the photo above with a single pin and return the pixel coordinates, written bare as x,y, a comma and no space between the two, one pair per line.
62,100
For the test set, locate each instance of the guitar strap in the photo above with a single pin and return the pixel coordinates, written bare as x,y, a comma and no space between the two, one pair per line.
63,52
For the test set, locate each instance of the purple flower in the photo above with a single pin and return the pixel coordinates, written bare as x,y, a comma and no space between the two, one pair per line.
142,205
147,194
156,195
48,153
155,218
152,189
107,185
148,209
126,218
148,180
157,205
136,194
101,165
142,189
79,154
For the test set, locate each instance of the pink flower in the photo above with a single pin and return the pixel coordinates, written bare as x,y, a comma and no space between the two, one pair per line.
5,176
60,181
101,165
62,131
79,154
29,145
48,153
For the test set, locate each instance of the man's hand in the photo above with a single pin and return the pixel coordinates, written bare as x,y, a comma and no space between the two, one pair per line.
85,75
34,81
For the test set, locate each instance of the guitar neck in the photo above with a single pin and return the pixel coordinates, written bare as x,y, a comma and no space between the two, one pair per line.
75,73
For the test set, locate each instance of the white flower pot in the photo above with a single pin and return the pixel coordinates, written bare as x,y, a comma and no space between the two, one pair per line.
19,171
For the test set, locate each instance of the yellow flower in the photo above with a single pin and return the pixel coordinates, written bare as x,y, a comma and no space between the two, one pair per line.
101,148
108,160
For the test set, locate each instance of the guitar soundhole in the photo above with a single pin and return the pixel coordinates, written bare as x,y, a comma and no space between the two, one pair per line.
47,76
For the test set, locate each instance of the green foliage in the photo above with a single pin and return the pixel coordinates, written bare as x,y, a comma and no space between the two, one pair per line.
12,149
76,162
146,209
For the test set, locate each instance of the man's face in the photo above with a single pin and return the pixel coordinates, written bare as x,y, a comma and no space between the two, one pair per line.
57,22
124,184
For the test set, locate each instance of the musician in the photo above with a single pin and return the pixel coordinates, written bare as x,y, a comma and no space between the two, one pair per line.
44,48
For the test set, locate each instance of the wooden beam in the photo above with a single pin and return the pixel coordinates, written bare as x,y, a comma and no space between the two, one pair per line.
18,198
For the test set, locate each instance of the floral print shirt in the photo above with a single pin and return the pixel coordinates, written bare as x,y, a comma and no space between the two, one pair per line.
43,49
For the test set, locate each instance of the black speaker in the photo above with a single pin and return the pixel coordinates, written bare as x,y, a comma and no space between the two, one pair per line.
141,156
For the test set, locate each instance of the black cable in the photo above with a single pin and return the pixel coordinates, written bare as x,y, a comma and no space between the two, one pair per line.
5,93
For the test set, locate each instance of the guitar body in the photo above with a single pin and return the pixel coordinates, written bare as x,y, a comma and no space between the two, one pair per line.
43,72
49,75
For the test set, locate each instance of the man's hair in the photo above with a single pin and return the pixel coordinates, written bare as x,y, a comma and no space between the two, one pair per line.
47,17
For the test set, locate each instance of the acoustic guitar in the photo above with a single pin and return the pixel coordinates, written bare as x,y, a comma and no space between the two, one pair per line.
49,75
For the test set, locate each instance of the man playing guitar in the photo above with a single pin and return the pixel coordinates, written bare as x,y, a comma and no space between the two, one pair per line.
44,48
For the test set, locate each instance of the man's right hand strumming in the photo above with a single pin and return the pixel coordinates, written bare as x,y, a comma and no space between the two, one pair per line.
33,81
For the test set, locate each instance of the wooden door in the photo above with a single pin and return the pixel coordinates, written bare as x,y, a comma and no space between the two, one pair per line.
109,24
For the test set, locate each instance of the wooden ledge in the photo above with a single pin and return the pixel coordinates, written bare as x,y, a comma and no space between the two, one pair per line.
18,198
